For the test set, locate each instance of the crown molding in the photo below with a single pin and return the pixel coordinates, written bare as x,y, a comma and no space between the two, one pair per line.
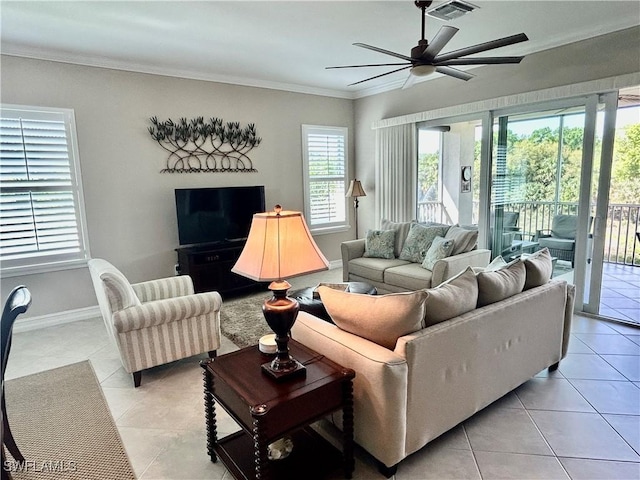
104,62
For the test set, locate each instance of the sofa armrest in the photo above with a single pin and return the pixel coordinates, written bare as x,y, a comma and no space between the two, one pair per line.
350,249
164,288
450,266
168,310
380,384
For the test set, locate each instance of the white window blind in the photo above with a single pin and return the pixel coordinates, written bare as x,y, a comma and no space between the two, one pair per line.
325,169
41,211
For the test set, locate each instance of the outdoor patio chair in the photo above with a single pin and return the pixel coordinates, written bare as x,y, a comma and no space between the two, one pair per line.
155,322
561,239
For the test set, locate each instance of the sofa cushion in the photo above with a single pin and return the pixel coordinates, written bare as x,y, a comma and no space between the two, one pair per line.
379,244
464,240
401,230
440,248
500,284
452,298
374,268
119,291
419,240
410,276
539,268
379,318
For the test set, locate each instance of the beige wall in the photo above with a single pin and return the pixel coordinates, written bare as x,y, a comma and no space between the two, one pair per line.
597,58
130,205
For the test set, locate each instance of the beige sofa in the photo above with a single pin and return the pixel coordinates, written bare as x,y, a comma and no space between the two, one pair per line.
395,275
442,374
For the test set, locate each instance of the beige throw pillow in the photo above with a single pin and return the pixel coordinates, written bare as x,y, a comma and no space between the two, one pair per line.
538,269
379,318
456,296
463,240
500,284
401,230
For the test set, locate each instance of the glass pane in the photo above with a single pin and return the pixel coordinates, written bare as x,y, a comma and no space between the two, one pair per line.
536,170
429,196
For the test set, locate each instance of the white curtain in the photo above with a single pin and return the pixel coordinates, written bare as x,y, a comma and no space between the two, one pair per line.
396,170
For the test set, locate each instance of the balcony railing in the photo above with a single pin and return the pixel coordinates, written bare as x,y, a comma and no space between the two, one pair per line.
622,245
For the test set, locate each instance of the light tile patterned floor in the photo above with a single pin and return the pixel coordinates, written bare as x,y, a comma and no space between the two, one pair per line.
620,294
580,422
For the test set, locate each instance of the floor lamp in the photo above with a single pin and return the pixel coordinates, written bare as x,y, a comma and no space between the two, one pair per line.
355,191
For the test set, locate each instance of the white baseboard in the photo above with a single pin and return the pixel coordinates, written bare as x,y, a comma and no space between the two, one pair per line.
52,319
333,264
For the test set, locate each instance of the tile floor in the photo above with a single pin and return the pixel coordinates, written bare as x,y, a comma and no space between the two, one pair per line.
581,422
620,294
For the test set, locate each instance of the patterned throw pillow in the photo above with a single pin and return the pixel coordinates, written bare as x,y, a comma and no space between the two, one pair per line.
419,240
379,244
440,248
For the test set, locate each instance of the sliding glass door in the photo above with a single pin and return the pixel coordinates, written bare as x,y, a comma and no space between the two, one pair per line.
548,167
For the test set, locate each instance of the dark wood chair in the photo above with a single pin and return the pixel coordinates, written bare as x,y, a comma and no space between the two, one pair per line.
17,303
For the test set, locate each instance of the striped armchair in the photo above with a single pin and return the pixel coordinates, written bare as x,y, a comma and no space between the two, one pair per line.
158,321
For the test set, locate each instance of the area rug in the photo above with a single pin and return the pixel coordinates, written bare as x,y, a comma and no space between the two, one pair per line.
63,427
241,319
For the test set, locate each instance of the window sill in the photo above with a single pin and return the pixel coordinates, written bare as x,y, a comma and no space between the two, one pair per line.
330,230
18,271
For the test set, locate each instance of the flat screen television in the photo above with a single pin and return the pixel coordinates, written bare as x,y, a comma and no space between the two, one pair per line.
215,215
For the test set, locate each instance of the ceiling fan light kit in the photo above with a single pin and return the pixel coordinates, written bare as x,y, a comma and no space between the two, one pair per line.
425,57
422,70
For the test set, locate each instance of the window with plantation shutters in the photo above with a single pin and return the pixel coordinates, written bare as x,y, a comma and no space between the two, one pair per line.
41,211
325,171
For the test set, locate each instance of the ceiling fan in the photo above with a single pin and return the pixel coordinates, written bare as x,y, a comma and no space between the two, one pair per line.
426,58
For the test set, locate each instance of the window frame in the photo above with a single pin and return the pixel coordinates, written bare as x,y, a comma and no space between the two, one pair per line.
40,263
328,227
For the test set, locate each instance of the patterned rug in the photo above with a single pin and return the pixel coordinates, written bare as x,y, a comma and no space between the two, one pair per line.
242,321
63,427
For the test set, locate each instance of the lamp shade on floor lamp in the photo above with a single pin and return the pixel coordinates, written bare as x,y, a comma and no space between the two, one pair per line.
355,191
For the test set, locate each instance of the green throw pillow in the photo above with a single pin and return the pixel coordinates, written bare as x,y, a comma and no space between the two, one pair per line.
440,248
379,244
419,240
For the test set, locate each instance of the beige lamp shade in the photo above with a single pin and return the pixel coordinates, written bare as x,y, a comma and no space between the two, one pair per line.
279,246
355,189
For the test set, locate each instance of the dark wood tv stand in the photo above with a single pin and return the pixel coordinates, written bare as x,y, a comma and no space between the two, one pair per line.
210,267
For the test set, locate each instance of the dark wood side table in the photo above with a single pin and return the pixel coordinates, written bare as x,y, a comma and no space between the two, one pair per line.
268,410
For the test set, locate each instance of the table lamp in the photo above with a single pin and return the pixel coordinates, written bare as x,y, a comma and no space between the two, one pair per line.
280,246
355,191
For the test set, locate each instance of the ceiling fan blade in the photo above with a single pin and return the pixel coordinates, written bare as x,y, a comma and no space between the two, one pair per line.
454,72
382,50
479,61
369,65
409,82
482,47
443,36
378,76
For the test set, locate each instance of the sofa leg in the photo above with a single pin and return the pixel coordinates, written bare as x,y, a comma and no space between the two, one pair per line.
388,472
554,367
137,378
213,353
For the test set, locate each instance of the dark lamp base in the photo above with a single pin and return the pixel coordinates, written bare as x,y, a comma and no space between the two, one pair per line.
296,370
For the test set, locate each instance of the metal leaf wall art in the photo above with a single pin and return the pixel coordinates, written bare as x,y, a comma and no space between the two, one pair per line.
199,146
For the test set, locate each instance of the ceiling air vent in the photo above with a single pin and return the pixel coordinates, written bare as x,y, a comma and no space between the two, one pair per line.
451,10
